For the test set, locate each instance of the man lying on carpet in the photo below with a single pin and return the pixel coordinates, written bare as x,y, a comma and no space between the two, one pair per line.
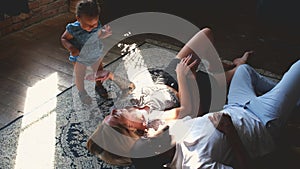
164,95
247,127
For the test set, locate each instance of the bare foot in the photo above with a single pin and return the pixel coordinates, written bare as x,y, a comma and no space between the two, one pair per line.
227,65
243,59
85,98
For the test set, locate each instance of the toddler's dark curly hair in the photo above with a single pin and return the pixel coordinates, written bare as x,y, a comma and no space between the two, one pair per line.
88,8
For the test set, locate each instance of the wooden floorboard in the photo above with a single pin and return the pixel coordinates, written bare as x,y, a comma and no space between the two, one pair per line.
41,66
13,87
10,99
18,74
7,114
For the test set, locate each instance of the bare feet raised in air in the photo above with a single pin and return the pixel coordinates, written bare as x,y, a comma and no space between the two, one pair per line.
243,59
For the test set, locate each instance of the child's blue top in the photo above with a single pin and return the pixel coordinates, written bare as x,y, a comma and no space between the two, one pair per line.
80,36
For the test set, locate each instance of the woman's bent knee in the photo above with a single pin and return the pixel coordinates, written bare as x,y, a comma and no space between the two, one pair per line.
208,33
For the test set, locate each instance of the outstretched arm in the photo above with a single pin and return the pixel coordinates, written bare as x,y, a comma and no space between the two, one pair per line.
102,75
105,32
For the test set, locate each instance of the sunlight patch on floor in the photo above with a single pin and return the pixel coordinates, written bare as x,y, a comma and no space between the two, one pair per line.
36,145
40,98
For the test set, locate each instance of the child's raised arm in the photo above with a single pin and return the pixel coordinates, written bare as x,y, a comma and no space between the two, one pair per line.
105,32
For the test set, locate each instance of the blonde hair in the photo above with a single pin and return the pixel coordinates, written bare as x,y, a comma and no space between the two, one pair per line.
105,137
106,156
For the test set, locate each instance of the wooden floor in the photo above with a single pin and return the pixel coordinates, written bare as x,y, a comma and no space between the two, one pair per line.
27,57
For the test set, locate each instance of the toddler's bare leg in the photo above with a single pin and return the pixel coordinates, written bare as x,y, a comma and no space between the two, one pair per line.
80,70
98,66
99,87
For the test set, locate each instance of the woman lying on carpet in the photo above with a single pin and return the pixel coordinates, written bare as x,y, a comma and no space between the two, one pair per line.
164,96
247,127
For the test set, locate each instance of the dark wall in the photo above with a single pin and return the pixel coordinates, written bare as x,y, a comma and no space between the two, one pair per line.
273,12
192,10
279,11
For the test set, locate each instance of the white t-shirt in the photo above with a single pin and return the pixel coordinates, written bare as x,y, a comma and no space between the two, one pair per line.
200,145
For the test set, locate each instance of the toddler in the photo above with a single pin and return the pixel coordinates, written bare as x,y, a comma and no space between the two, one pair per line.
75,37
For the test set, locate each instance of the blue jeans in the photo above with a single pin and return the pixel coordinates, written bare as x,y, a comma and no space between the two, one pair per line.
271,102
